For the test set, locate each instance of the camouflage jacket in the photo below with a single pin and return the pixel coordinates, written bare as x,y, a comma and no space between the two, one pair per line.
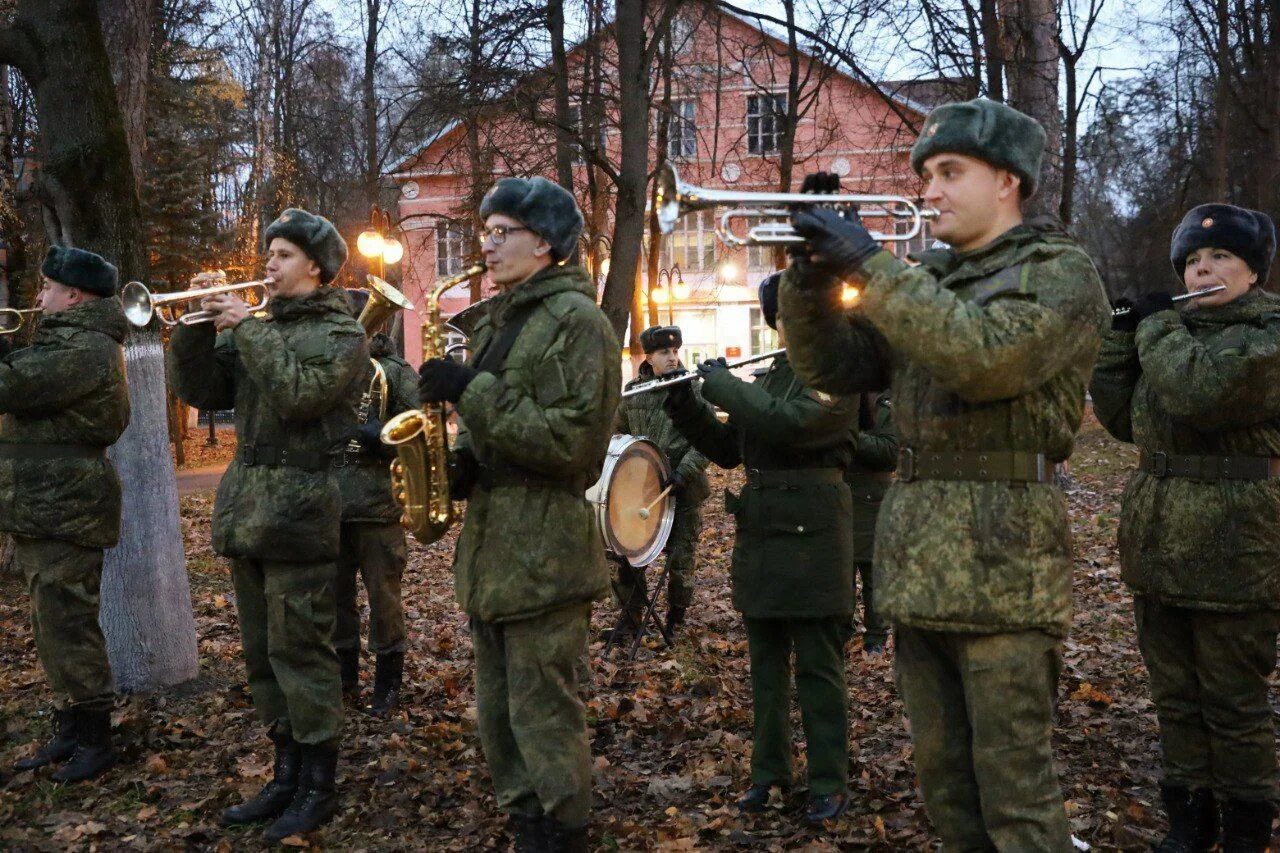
364,476
643,415
1204,382
793,552
68,387
988,350
530,542
875,457
292,378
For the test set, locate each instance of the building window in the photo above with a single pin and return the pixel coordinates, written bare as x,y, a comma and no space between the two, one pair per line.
766,118
916,244
692,244
763,338
682,130
761,258
451,249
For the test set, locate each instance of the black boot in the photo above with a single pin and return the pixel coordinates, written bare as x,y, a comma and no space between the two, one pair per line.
349,669
821,809
60,746
93,755
1193,820
386,683
756,799
1246,826
276,795
316,800
675,618
558,838
526,833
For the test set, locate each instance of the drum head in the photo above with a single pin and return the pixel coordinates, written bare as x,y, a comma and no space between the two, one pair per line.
637,521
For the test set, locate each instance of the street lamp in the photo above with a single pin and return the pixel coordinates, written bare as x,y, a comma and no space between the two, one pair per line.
373,245
671,290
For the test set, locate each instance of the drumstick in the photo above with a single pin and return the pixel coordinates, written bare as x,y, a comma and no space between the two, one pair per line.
644,511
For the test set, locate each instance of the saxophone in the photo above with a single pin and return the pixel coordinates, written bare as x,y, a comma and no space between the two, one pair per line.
419,474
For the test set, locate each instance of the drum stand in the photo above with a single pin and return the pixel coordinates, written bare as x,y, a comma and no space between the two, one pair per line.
648,616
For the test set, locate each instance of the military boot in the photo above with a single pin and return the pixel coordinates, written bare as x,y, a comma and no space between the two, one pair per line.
60,746
821,809
1193,820
526,833
386,683
276,795
558,838
1246,826
316,799
675,619
349,670
93,755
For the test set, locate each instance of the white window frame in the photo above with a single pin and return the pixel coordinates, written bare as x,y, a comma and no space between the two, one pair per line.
682,129
692,244
452,242
764,129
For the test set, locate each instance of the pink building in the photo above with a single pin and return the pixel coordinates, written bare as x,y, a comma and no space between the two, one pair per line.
728,103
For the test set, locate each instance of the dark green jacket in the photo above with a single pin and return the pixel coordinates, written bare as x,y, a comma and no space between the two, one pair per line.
291,378
793,552
1205,382
364,477
643,415
875,457
68,387
990,350
541,425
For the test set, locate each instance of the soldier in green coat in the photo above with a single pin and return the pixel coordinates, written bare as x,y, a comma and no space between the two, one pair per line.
1198,391
373,540
987,347
292,378
63,401
792,559
537,402
874,457
643,414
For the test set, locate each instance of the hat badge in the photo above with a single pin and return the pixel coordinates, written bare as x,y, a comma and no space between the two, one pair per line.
1208,222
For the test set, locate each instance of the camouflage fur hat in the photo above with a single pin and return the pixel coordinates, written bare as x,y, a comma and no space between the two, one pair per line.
1248,233
314,235
769,298
992,132
655,338
545,208
81,270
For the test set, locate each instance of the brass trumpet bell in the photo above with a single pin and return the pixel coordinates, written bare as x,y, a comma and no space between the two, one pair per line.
21,317
140,304
384,302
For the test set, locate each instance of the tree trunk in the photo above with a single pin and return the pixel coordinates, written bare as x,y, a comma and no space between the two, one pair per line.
146,599
995,50
1070,143
369,93
560,80
126,29
1220,188
1031,64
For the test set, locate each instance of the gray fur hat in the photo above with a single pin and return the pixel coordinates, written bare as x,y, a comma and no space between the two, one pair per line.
80,269
990,131
314,235
545,208
1248,233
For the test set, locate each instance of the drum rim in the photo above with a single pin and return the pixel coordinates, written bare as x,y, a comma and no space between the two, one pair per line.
662,532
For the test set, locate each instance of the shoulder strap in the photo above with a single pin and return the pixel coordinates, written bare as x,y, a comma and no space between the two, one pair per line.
494,356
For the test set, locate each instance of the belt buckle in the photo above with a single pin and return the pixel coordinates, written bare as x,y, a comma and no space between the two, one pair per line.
1160,464
907,464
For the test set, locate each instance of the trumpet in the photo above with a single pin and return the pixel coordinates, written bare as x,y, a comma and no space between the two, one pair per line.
20,319
140,304
674,198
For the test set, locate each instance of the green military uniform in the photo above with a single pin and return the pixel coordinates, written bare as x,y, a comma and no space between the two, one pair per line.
1201,549
792,557
643,415
63,401
292,379
372,540
874,458
530,558
988,353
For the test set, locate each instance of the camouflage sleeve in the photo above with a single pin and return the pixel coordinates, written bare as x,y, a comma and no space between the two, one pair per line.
202,366
1213,388
808,420
50,378
877,447
402,386
554,429
718,442
1114,378
993,349
622,423
829,349
308,380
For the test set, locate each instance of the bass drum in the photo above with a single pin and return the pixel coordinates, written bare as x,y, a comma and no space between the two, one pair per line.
635,516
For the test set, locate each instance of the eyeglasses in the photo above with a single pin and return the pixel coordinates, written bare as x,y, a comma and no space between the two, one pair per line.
498,234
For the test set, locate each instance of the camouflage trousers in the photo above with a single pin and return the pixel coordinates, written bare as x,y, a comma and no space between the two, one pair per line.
286,625
980,707
1209,675
533,726
376,552
817,648
630,588
63,581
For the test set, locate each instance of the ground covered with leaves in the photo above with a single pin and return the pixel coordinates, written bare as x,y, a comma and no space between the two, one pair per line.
671,732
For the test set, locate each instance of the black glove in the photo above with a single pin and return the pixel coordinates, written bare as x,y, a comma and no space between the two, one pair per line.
840,242
369,434
463,472
677,397
443,379
711,367
676,482
823,183
1146,305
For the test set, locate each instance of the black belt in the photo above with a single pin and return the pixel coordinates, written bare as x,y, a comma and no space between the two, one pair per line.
1210,467
792,477
47,451
491,478
283,457
989,466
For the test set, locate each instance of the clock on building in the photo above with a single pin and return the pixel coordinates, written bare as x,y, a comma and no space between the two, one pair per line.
730,173
410,189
